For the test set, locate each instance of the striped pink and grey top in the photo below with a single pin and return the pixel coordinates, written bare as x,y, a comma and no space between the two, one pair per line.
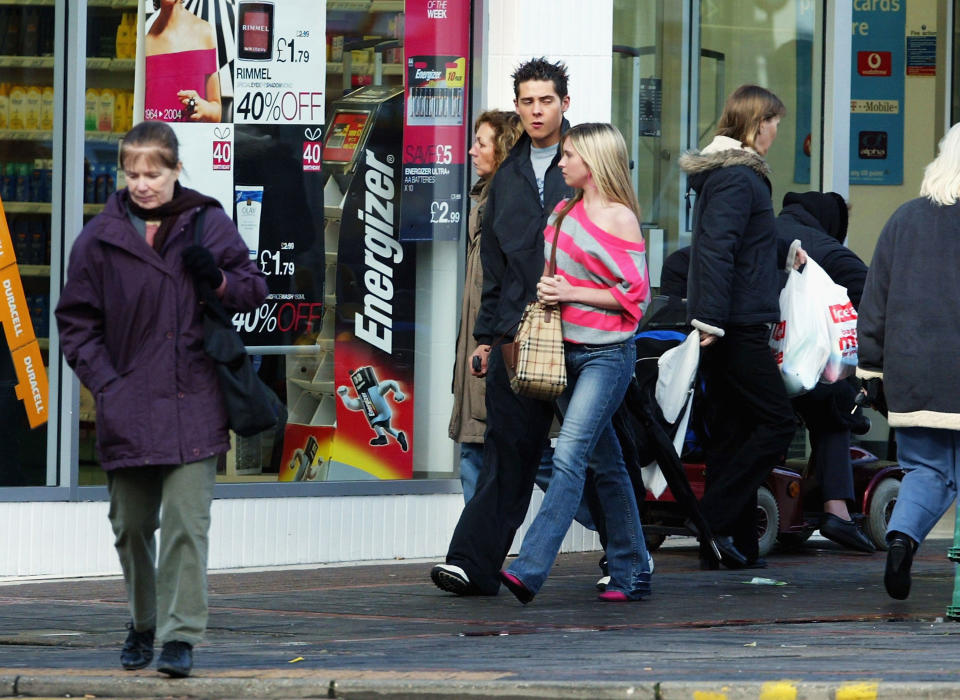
588,256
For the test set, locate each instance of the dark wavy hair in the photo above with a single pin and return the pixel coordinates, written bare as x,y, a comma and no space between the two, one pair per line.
542,69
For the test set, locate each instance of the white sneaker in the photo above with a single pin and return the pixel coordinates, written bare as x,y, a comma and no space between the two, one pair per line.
450,578
604,581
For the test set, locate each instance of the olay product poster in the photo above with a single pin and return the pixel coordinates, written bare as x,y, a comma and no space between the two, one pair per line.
278,208
436,46
281,56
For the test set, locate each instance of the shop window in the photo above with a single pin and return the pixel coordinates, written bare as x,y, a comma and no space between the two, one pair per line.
354,219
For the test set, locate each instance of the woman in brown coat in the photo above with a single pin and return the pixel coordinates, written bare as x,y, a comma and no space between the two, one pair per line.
495,133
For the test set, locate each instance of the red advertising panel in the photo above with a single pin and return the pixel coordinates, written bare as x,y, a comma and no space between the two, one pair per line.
436,46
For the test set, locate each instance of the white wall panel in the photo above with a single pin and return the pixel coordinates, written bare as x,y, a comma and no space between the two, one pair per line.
577,32
74,539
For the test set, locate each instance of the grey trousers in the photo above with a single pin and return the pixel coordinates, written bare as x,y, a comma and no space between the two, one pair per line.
168,593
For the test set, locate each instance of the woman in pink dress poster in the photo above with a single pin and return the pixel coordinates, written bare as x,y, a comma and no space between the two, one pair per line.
181,66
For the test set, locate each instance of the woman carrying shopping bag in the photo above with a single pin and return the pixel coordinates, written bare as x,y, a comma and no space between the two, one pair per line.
602,288
732,293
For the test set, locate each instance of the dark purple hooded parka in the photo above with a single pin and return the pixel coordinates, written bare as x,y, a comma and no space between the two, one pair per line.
132,329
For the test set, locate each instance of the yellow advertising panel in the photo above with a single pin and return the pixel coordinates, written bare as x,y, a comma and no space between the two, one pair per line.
32,386
14,312
6,242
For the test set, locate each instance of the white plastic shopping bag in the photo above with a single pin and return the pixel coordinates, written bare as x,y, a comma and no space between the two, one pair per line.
801,341
677,368
842,326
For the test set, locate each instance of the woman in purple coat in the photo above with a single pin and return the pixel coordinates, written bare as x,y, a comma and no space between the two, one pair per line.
131,328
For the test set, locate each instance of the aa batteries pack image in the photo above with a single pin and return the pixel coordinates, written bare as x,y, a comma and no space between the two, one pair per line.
435,90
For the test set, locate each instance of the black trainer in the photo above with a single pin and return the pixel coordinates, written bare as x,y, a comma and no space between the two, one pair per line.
137,651
176,659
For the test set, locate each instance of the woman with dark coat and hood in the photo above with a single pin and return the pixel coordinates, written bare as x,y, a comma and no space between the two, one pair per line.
819,221
733,298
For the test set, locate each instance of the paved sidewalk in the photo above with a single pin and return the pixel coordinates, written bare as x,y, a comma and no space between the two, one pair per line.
814,624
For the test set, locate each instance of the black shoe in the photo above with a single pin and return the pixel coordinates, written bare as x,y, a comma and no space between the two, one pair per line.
176,659
896,578
845,532
730,556
402,439
379,440
758,563
137,651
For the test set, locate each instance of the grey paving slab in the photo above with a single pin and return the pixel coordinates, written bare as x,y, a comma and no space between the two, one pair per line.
821,617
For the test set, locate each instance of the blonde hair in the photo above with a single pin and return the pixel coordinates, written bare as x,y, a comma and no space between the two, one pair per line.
941,177
746,109
603,150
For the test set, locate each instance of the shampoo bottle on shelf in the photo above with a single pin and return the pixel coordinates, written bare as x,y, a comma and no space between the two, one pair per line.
16,102
4,105
33,102
90,109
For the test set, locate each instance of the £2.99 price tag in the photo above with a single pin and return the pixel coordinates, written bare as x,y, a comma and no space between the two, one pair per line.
222,155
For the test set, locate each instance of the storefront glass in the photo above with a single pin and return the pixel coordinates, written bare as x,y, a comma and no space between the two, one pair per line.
669,93
350,193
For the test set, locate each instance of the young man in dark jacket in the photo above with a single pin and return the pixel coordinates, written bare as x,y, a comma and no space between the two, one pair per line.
523,193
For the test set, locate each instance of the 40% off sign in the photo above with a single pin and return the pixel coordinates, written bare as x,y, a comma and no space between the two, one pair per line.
276,106
297,316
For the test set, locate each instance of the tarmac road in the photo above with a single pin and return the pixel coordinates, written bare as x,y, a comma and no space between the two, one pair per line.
825,624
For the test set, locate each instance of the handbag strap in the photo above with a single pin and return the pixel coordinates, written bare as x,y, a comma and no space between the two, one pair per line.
551,271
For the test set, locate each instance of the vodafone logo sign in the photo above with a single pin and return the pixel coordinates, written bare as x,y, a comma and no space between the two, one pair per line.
874,63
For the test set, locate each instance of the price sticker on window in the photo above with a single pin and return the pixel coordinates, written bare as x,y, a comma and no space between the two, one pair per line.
312,156
222,155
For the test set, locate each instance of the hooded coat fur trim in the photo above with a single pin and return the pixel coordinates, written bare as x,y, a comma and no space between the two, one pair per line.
693,162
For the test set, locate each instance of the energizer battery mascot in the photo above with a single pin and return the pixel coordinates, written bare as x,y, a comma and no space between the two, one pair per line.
372,400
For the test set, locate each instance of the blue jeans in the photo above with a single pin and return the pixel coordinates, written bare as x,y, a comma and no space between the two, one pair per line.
471,462
597,379
545,473
931,458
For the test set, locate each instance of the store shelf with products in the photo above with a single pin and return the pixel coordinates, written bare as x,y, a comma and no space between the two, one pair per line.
34,270
367,6
365,69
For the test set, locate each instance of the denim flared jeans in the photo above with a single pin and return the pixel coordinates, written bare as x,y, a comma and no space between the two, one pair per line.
597,379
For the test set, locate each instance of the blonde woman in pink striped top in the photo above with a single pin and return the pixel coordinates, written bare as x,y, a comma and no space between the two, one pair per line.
602,287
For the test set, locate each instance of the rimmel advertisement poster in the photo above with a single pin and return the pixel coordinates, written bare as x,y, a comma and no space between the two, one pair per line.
436,50
876,92
238,81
